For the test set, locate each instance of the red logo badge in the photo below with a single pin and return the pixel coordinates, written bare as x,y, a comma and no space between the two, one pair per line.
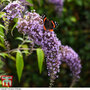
6,81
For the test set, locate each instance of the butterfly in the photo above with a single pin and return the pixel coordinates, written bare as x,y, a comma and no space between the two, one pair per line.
48,25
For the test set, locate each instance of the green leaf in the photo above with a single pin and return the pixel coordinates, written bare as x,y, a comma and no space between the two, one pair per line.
1,71
40,2
11,57
19,38
73,19
2,26
31,2
19,64
1,38
25,51
64,9
1,32
3,54
28,41
69,0
2,45
6,24
1,62
15,20
79,2
13,29
0,82
1,35
40,57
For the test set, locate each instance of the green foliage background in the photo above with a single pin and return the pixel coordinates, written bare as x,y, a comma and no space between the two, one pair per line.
73,29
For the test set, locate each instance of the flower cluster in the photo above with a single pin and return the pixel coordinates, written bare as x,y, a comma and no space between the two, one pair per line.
14,10
53,57
58,4
32,25
72,59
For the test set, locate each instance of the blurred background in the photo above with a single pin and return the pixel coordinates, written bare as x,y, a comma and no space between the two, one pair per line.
73,29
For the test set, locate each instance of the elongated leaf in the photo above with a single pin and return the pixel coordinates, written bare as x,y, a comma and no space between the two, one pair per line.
19,38
1,31
19,64
13,29
0,83
2,26
11,57
40,57
15,20
3,54
1,35
28,41
2,39
2,45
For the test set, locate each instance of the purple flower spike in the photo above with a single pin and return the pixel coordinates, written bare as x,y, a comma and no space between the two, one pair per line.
58,4
72,59
32,25
53,57
14,10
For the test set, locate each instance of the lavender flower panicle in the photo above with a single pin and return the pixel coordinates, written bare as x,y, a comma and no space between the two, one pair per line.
55,53
14,10
32,25
58,5
51,49
72,59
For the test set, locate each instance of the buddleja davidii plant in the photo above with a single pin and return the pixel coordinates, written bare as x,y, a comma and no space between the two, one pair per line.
13,11
32,25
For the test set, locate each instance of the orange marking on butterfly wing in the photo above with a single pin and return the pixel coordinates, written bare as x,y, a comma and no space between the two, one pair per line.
44,19
53,24
44,27
51,30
